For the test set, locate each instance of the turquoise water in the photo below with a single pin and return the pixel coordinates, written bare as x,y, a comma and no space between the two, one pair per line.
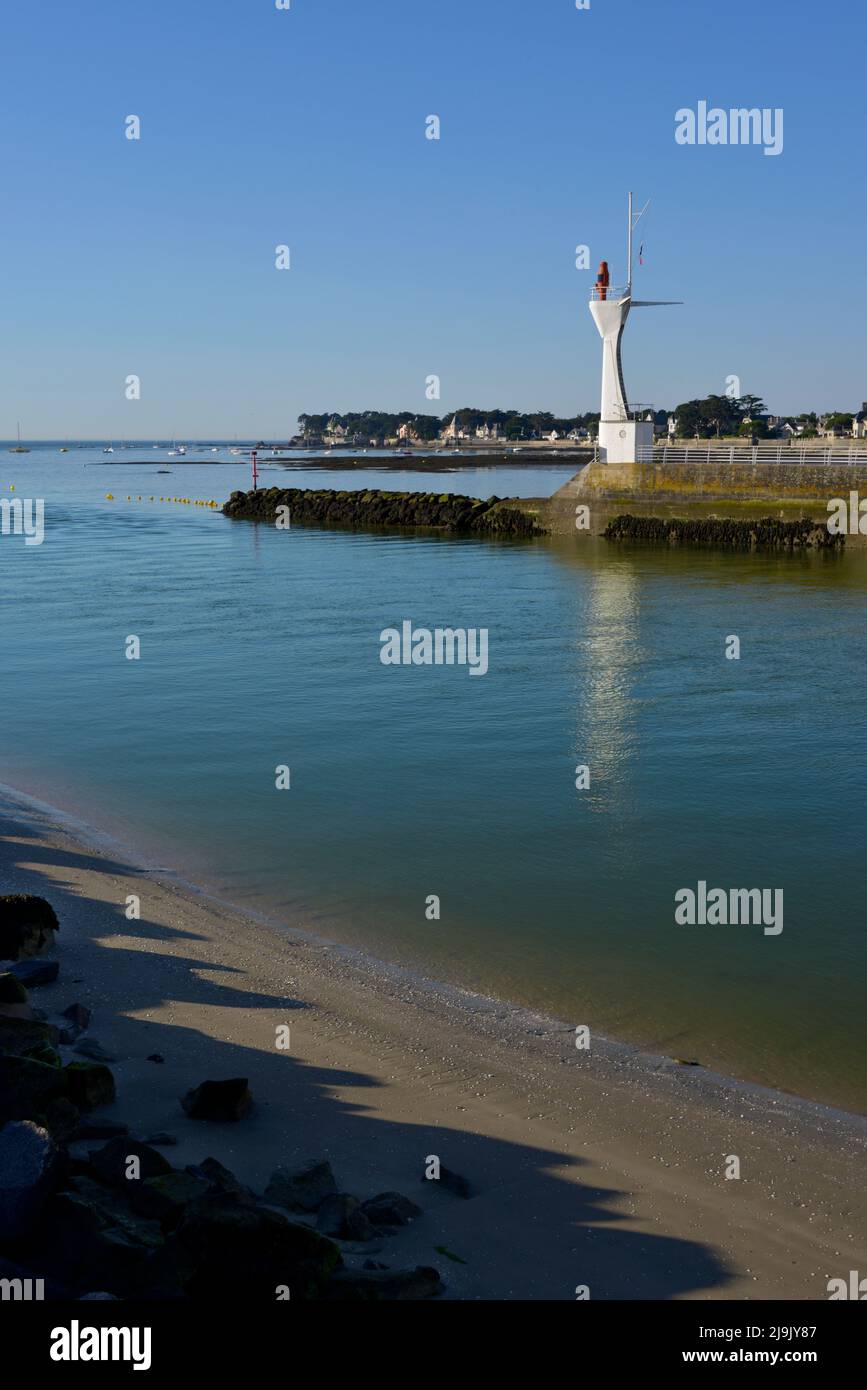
261,648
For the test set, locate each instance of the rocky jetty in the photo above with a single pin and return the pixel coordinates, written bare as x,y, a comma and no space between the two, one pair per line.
724,532
445,511
91,1211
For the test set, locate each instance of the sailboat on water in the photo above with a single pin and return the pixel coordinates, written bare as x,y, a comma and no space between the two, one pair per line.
19,447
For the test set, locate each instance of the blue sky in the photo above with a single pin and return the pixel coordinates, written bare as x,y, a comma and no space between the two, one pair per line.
413,257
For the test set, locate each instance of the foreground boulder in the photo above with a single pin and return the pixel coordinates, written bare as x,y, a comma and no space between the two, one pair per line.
301,1189
166,1198
89,1084
19,1035
94,1240
27,926
218,1100
29,1170
240,1249
27,1087
12,991
373,1285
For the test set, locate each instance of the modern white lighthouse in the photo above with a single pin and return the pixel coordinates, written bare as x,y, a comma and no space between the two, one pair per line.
624,436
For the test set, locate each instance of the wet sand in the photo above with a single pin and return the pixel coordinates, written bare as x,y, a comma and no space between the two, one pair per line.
603,1168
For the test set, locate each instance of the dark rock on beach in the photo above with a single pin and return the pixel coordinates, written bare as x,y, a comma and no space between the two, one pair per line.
250,1251
341,1216
166,1198
25,1035
89,1084
35,972
111,1161
217,1177
301,1189
26,1087
27,926
29,1169
73,1022
390,1209
12,990
218,1100
451,1182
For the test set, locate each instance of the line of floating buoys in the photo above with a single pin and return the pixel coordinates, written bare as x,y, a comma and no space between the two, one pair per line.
184,501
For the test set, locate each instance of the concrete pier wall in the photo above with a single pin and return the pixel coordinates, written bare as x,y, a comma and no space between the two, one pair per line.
736,490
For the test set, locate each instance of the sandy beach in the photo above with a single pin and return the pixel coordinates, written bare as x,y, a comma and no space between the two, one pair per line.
603,1168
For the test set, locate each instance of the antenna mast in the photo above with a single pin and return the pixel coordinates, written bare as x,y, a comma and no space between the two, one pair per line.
633,223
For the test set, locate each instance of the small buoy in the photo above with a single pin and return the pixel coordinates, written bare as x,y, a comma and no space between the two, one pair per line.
11,487
109,497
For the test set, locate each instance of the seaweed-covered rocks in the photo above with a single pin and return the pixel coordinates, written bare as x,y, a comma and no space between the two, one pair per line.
218,1100
450,512
89,1084
242,1250
724,532
27,926
27,1087
301,1189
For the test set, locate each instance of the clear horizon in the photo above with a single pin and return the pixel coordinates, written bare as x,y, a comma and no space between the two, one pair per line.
412,257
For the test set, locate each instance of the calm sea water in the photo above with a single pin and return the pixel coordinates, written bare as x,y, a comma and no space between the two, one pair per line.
261,648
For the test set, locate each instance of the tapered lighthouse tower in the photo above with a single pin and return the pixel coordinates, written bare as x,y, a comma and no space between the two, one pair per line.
624,436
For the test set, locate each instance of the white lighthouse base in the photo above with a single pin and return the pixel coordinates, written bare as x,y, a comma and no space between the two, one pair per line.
625,441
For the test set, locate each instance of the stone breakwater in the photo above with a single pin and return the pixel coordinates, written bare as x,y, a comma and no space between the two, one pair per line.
767,533
447,512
